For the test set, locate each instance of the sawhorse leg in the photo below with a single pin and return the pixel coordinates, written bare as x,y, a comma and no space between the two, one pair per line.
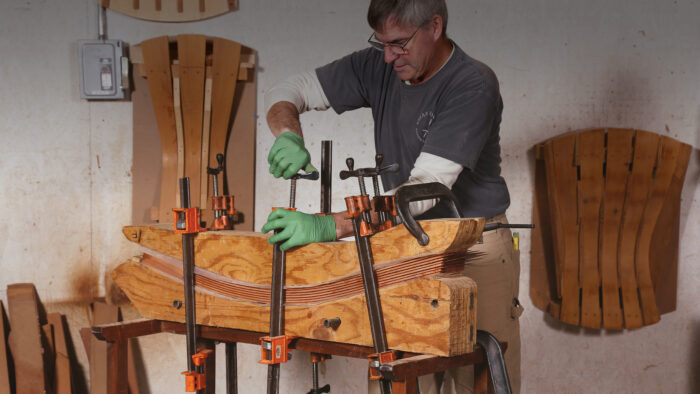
231,369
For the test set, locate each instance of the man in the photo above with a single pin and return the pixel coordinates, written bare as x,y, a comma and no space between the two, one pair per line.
437,113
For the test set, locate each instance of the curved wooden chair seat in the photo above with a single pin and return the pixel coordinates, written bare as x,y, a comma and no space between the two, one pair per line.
607,206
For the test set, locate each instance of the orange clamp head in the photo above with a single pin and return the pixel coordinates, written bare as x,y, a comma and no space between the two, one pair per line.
357,204
274,350
194,381
201,356
377,359
187,221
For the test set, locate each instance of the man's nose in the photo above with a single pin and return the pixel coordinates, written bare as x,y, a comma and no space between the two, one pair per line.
389,55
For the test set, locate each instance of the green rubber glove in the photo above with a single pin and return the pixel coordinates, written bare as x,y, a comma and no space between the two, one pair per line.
288,155
298,228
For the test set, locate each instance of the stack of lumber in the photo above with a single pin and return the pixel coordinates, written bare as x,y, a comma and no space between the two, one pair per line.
34,346
428,306
607,215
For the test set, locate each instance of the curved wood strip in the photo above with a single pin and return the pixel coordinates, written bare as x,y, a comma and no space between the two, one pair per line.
591,151
645,150
562,181
156,58
191,52
246,256
618,160
663,174
387,274
431,315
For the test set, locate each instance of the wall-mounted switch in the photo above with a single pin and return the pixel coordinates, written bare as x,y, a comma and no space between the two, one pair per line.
104,70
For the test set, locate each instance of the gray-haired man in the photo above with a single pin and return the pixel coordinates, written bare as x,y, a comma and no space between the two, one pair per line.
437,113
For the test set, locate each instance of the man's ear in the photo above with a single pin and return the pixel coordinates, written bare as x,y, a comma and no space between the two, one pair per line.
436,26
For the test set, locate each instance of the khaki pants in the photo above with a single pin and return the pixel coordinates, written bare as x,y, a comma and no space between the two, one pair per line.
496,271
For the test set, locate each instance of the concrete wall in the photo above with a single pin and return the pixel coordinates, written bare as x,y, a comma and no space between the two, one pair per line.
65,163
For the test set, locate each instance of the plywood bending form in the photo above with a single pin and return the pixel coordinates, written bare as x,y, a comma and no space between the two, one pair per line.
426,308
200,92
171,11
606,209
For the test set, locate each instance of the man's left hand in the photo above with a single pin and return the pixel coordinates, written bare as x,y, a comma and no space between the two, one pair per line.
298,228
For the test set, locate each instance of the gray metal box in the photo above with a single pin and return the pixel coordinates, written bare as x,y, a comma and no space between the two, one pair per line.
103,70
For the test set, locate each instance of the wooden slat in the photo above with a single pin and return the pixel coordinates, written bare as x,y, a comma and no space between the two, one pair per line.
247,256
645,150
562,182
49,355
99,370
430,315
663,174
591,156
191,50
177,107
206,136
156,54
664,255
25,339
62,376
226,57
4,364
618,160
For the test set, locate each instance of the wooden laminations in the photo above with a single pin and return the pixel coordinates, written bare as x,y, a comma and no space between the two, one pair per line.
246,256
156,61
171,11
618,191
26,339
191,49
4,362
430,315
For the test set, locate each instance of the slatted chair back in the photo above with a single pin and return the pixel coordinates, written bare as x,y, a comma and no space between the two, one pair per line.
171,10
611,200
192,83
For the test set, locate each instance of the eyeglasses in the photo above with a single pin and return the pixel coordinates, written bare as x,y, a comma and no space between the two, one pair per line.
395,47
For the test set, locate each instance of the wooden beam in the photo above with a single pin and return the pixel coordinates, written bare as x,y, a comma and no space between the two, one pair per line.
100,352
5,385
25,338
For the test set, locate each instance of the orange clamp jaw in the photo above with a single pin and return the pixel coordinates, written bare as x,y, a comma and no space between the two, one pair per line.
187,220
274,350
195,381
377,359
360,206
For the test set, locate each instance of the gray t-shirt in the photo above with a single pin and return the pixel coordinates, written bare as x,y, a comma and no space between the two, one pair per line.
454,115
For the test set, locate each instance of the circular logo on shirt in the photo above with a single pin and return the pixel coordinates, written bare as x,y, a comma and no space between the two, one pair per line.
423,123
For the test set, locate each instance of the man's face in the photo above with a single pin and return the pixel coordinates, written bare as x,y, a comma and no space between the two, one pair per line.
413,66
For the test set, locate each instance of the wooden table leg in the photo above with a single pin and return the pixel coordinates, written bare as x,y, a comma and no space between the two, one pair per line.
117,380
407,386
209,365
231,369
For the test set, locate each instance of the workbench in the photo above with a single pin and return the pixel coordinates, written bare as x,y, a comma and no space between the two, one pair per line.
402,372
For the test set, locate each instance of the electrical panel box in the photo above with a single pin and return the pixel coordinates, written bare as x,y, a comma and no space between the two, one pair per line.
104,70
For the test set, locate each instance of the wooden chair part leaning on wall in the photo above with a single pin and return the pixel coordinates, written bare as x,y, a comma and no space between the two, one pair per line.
192,83
607,214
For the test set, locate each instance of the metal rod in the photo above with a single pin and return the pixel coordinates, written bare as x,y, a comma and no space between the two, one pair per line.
374,307
188,278
326,175
101,22
293,192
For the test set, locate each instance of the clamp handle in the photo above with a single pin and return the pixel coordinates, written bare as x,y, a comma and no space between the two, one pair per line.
419,192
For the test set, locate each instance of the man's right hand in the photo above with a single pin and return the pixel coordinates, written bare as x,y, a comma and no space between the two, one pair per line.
288,155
